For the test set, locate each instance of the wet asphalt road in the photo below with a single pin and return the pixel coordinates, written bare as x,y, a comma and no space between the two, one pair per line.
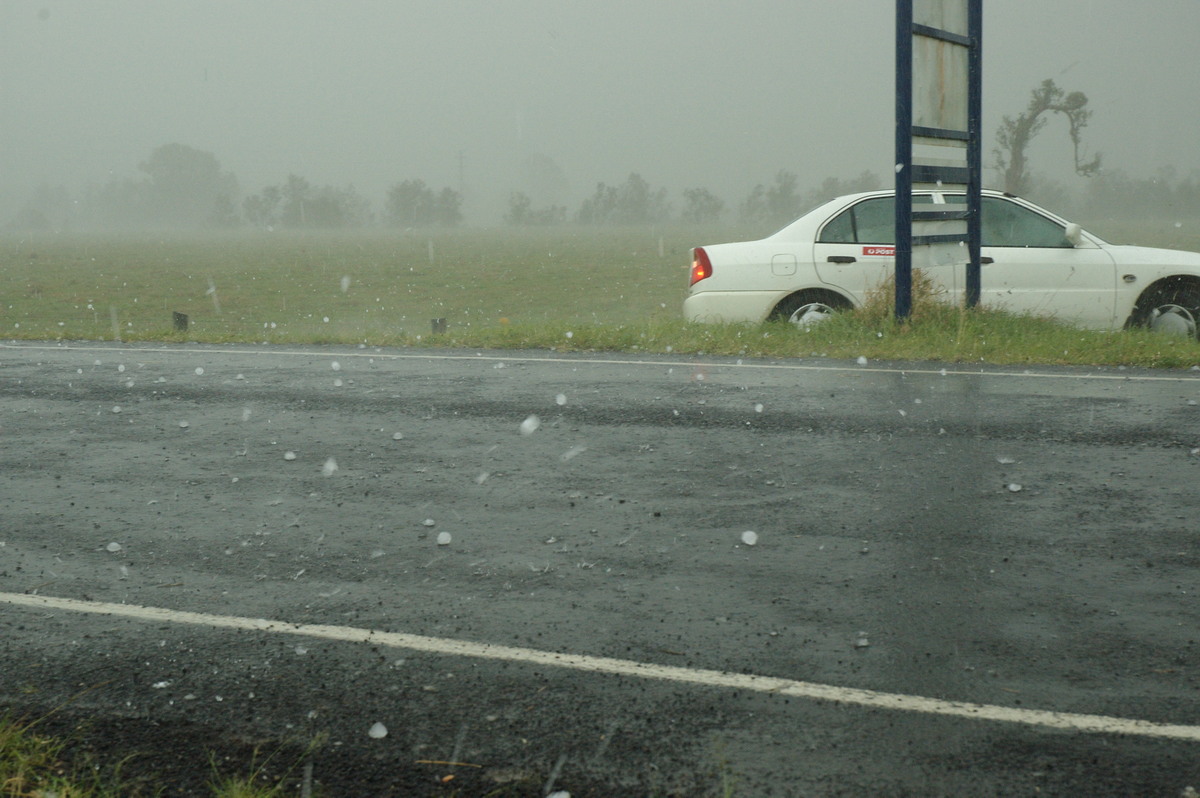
1026,541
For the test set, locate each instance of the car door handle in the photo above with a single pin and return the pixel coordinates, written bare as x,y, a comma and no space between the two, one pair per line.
986,259
841,259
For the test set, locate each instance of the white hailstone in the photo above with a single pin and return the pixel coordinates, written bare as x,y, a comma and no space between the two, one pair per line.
184,425
758,408
336,366
199,371
1014,487
560,399
749,537
862,361
530,425
116,408
330,467
289,456
377,731
443,539
572,453
113,547
397,436
428,522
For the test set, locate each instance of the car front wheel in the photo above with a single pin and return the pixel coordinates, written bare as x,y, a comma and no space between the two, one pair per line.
1174,311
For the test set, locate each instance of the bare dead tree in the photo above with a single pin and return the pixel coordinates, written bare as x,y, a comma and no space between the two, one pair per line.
1014,135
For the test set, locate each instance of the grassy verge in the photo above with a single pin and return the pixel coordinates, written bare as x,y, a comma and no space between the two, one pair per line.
37,765
563,289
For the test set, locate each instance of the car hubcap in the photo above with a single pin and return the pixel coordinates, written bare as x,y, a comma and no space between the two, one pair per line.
810,314
1173,320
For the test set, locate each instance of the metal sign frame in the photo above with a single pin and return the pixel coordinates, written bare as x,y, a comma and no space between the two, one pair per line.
939,101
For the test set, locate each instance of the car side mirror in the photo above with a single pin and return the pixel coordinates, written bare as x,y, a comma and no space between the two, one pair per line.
1074,234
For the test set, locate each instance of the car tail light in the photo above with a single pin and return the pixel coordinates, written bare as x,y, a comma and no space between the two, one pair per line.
701,266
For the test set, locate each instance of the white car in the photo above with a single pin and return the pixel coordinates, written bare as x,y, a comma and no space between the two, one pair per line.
1031,262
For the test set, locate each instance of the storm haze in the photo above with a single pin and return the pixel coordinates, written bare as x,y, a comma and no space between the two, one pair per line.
551,98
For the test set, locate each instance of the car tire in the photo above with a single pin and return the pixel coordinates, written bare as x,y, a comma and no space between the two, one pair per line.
1173,310
809,307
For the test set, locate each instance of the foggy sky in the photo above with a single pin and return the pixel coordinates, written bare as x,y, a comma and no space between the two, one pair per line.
699,93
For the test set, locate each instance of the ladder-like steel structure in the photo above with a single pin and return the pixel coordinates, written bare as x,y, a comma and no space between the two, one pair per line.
938,137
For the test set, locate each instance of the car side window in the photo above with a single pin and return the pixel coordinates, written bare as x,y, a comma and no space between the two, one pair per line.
872,221
1007,224
839,229
867,222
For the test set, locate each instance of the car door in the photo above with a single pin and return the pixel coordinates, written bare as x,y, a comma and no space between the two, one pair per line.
1029,266
855,250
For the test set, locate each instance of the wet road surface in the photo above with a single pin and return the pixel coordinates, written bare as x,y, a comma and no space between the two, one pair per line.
996,569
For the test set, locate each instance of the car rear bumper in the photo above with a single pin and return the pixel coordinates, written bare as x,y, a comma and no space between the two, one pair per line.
729,306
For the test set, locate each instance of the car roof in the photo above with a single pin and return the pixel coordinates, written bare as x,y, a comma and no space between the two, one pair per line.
887,192
808,224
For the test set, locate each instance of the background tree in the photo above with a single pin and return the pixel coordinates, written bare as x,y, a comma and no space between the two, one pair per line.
521,212
633,202
262,209
447,211
300,205
224,214
184,186
775,204
411,203
1014,135
600,208
297,194
700,206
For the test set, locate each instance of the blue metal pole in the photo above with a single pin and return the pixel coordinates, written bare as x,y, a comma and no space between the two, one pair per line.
904,49
974,149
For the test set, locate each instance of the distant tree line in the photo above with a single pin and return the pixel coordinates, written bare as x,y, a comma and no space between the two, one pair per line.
182,187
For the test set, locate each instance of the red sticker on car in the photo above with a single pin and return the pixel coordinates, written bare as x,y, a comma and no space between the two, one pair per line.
887,252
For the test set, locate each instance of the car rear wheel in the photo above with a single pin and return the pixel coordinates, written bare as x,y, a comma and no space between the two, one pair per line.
1174,310
809,307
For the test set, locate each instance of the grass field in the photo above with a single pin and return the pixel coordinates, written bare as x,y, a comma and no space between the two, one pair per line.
564,288
371,286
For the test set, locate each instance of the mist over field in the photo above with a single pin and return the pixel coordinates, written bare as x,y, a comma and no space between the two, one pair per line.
134,113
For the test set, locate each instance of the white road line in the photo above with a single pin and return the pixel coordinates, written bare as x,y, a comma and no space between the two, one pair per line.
567,359
618,667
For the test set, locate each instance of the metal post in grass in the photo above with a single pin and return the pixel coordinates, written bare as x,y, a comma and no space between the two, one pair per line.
903,235
938,119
